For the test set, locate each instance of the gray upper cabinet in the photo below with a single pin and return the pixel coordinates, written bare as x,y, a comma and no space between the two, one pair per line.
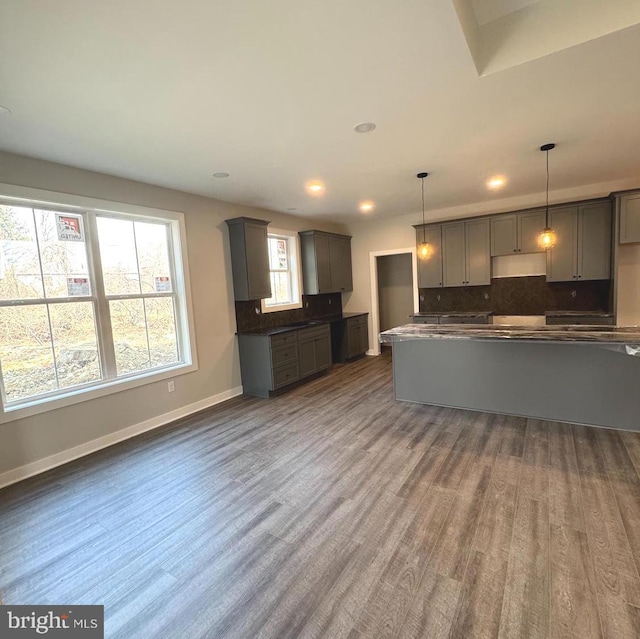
594,241
630,218
326,262
583,245
454,270
516,232
430,269
478,252
249,258
504,234
466,253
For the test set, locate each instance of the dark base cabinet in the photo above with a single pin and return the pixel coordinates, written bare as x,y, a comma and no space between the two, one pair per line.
349,338
271,362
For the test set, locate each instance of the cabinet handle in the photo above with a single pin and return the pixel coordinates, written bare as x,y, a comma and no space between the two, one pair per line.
579,276
515,250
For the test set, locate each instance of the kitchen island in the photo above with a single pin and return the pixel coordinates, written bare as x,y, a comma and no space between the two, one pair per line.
579,374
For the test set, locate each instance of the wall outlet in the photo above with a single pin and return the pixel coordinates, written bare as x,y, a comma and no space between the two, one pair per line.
171,386
573,293
257,310
422,298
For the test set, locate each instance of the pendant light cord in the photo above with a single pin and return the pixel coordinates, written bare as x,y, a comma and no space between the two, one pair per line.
423,229
546,217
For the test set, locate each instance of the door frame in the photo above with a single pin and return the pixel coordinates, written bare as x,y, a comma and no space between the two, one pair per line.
373,269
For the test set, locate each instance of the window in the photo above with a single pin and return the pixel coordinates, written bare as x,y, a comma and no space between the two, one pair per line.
284,269
87,299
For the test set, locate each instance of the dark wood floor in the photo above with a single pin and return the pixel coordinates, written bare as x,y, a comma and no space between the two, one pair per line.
334,511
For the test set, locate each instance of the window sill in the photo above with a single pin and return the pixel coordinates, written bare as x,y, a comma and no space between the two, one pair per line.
76,396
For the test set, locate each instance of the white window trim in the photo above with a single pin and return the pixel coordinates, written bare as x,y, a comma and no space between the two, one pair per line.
37,197
295,240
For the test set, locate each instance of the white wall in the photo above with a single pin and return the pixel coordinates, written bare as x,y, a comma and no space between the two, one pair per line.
628,285
33,438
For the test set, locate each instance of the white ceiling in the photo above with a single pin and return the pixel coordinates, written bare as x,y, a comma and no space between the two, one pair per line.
169,93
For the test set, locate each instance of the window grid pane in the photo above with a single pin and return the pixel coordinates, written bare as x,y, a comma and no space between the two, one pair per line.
47,346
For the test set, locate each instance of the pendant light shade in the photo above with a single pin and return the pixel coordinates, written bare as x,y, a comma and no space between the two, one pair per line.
425,250
547,238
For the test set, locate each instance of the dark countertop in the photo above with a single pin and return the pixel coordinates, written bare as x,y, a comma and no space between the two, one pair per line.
304,324
578,314
620,335
453,314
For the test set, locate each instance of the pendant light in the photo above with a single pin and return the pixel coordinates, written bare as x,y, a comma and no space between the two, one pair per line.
424,250
547,239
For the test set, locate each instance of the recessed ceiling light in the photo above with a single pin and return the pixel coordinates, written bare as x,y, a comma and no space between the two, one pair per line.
364,127
496,182
366,207
4,109
315,187
221,174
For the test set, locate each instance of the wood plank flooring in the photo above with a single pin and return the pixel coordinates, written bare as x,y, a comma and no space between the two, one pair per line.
334,511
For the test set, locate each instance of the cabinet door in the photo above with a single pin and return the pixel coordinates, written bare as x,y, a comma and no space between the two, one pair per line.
340,264
562,260
322,352
323,263
530,225
594,241
453,255
430,269
353,339
504,235
630,218
307,357
364,336
478,252
257,261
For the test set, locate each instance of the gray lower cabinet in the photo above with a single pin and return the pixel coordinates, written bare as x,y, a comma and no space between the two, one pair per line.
516,232
249,258
314,349
349,338
271,362
326,262
630,218
430,269
583,243
466,253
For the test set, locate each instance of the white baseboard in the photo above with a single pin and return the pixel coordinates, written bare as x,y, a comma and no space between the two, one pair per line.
372,352
46,463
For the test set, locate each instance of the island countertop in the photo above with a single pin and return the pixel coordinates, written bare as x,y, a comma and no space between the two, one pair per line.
619,335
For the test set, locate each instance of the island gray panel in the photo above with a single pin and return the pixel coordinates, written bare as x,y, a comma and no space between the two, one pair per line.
592,384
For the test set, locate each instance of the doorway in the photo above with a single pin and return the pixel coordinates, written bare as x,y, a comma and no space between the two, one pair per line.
394,293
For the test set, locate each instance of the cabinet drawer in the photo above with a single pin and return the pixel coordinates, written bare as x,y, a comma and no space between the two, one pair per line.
464,320
285,375
582,320
284,355
424,319
290,337
306,334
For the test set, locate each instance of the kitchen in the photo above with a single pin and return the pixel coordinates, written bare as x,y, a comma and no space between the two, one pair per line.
197,434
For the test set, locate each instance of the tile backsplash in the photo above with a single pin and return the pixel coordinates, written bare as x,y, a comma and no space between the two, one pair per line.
313,307
520,296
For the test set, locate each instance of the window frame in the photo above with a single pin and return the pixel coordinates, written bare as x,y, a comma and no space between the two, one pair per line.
295,270
91,209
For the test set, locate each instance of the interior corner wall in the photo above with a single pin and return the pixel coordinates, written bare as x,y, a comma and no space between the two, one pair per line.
32,439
